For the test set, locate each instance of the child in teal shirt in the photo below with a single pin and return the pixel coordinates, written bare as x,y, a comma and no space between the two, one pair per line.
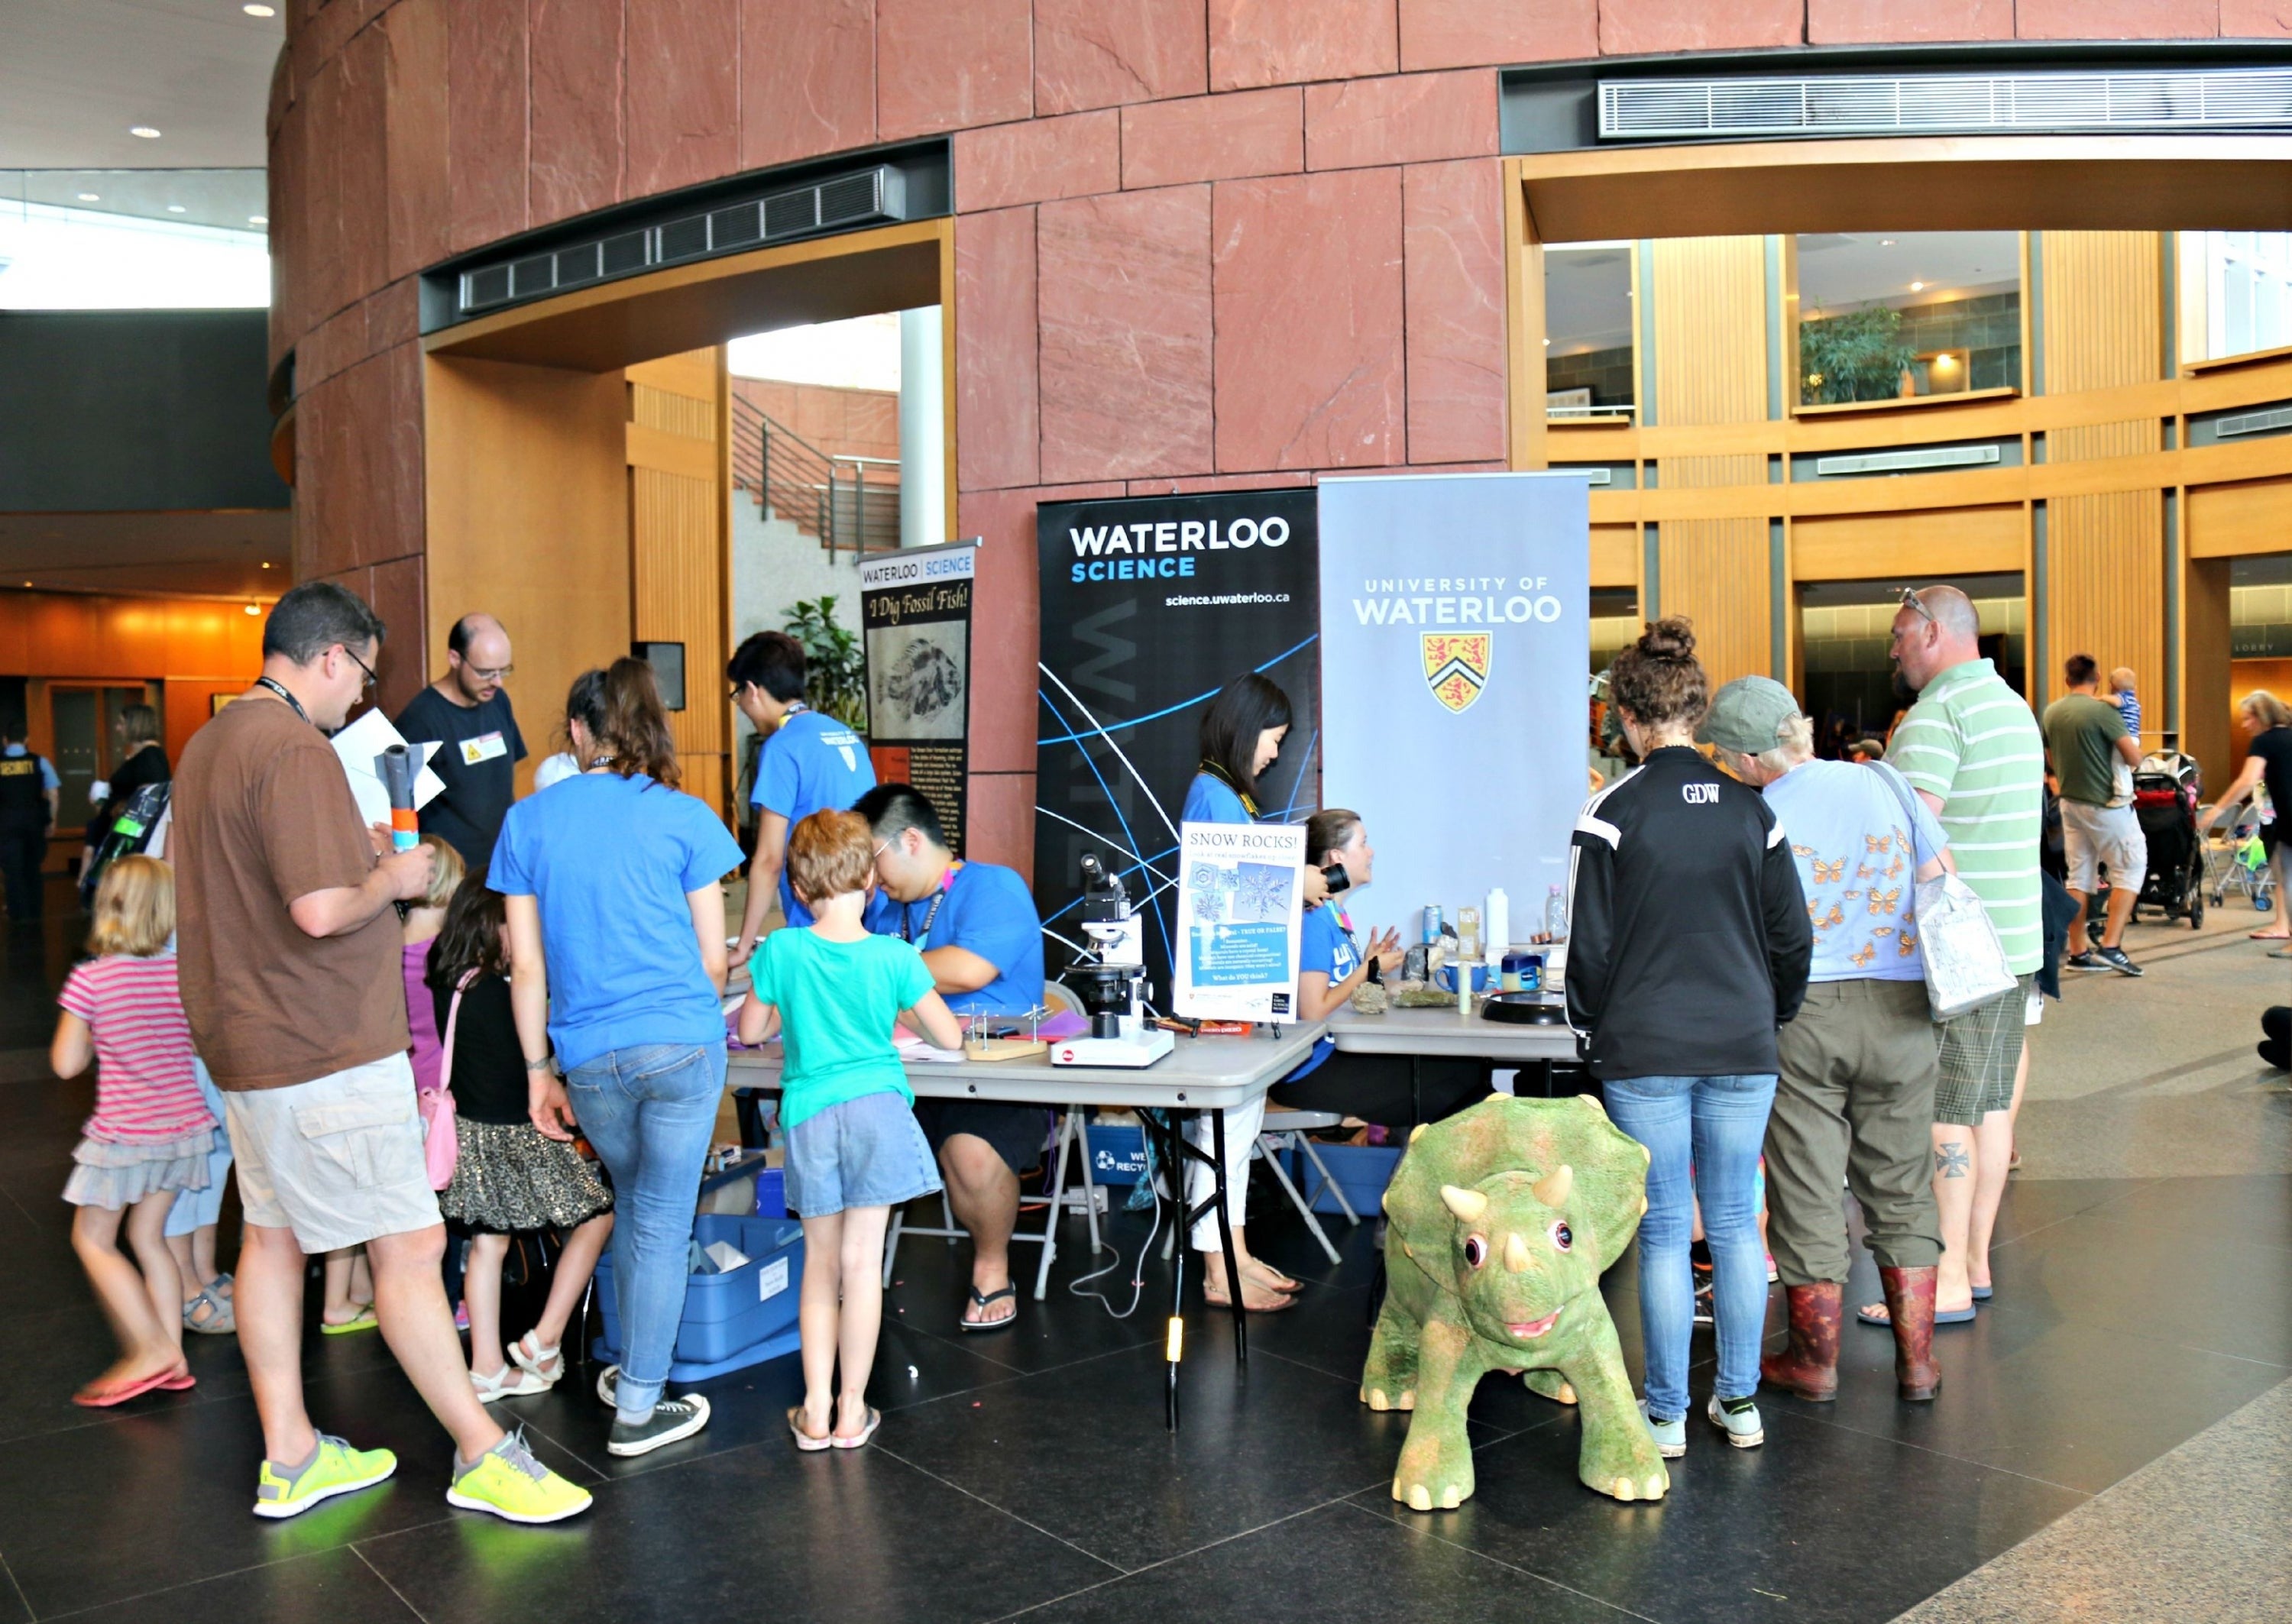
854,1148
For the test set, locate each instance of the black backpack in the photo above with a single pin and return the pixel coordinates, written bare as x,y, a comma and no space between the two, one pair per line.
131,823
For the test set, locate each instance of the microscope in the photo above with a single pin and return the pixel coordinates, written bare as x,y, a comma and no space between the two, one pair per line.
1112,986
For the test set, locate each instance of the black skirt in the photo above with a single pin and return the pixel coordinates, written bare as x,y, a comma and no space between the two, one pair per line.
509,1176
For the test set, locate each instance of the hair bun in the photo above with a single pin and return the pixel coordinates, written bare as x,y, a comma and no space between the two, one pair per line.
1672,637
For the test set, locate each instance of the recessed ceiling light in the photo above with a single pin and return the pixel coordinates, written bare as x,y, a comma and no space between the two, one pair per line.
89,197
258,220
1885,242
175,208
1917,287
260,11
266,564
144,130
253,608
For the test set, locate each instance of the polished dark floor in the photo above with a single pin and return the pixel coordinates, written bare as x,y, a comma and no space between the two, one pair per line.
1030,1473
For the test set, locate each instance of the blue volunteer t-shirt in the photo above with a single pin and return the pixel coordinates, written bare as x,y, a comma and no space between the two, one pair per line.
1325,943
813,763
609,860
987,910
1858,853
1211,800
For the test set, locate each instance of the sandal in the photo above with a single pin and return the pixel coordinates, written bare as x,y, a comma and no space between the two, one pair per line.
221,1285
545,1363
173,1381
1274,1302
1875,1314
1259,1272
507,1382
859,1440
811,1443
363,1320
986,1301
209,1314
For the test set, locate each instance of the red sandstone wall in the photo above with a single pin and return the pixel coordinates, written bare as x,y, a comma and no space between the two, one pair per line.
1202,243
842,422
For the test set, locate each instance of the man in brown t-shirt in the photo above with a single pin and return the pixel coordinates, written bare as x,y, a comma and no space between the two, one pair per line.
290,967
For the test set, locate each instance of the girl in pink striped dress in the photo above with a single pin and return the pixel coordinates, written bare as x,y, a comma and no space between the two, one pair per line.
151,1131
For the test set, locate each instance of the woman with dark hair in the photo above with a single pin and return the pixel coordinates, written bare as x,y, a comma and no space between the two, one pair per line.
1688,946
617,962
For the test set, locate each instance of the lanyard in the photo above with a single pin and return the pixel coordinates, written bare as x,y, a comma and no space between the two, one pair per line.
279,689
1248,801
946,883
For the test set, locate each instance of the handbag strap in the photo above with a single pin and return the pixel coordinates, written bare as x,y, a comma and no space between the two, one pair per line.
1905,794
446,1043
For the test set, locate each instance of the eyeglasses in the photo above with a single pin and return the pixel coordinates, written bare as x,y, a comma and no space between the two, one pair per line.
370,678
1911,600
489,673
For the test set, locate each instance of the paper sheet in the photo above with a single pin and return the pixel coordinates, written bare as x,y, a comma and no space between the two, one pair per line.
359,743
912,1047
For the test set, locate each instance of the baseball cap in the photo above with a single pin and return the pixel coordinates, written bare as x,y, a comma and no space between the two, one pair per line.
1748,714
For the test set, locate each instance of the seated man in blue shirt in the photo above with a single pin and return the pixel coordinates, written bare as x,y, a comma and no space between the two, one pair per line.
810,763
982,941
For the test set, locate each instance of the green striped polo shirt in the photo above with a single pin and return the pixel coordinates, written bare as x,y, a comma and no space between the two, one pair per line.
1972,741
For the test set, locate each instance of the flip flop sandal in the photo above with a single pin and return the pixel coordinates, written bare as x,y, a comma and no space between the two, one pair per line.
104,1398
859,1440
988,1301
1875,1314
535,1360
1982,1294
1281,1301
181,1381
363,1320
804,1441
220,1320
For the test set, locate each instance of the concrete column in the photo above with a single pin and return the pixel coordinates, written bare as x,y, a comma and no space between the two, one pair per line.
922,431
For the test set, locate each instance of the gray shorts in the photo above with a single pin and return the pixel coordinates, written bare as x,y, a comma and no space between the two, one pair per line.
867,1151
337,1160
2093,838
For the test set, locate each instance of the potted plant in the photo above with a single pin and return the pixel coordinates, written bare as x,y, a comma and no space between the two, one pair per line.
1861,355
836,679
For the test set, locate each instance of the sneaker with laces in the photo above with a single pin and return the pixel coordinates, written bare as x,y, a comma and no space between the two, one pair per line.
507,1481
2083,961
608,1383
1670,1436
336,1468
1739,1418
672,1419
2114,958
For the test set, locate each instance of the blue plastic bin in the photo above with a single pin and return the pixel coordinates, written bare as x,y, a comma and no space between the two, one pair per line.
730,1321
1361,1171
771,1193
1117,1153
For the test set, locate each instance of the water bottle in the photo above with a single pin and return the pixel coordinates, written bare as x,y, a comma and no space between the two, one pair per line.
1555,914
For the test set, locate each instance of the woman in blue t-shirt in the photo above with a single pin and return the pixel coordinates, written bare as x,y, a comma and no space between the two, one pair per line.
1241,734
1390,1090
616,935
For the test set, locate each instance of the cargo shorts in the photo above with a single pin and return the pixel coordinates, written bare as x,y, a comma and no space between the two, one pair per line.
337,1160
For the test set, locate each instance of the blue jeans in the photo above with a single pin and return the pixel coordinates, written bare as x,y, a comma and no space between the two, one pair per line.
1703,1135
650,1111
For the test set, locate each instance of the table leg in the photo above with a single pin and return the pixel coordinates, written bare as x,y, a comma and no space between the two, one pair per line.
1174,1335
1225,1239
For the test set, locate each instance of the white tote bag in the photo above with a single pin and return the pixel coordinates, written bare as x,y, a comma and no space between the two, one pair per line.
1965,961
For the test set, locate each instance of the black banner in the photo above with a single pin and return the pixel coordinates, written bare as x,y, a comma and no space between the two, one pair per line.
1150,605
916,606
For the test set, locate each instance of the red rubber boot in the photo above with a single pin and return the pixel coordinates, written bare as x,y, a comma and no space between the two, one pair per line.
1809,1366
1910,1305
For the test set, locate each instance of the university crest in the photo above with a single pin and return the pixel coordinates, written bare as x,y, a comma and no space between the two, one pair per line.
1456,666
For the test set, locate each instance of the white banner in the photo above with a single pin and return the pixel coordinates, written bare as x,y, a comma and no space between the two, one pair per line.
1456,657
1239,899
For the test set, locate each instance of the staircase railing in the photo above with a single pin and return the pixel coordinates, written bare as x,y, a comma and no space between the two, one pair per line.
845,501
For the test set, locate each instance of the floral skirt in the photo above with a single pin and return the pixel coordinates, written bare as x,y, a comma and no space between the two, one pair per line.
509,1176
109,1174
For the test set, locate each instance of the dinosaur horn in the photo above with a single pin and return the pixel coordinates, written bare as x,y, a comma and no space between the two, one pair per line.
1515,1253
1467,1204
1553,1188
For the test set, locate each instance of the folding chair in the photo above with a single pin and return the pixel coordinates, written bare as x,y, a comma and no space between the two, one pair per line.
1287,1130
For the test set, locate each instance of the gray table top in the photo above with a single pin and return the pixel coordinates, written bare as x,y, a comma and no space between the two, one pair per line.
1198,1073
1445,1031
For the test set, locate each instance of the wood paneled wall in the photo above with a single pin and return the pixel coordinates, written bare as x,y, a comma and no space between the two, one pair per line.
196,645
528,494
679,542
1711,368
2103,315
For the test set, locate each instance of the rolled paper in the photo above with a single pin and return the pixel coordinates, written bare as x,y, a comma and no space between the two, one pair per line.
396,767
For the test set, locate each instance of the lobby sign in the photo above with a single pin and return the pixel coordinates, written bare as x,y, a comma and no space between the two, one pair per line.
1456,641
1237,920
1150,605
914,606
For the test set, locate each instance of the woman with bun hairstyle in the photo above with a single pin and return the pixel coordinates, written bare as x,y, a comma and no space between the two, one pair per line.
1241,735
1688,946
616,965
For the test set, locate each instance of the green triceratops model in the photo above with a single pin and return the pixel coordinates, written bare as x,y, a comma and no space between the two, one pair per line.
1502,1219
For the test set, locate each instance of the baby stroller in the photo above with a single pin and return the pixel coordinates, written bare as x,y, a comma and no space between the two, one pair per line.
2240,862
2165,787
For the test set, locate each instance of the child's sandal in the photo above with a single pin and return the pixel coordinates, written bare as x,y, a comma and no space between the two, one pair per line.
544,1363
209,1314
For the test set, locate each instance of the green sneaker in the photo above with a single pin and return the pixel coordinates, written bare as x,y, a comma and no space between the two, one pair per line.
507,1481
336,1469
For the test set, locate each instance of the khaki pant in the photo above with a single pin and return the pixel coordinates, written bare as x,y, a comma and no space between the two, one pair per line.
1854,1106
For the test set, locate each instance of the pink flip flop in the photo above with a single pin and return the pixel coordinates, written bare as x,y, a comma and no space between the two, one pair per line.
104,1398
859,1440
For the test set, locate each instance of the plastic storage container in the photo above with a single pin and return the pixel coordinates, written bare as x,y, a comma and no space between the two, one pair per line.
1117,1153
733,1319
1361,1171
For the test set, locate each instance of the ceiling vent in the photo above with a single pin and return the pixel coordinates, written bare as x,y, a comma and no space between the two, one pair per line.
2273,420
1919,459
1840,105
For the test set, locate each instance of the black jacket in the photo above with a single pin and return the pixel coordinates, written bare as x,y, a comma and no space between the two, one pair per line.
1688,940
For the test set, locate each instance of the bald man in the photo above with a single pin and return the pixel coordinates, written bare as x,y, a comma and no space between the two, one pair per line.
466,712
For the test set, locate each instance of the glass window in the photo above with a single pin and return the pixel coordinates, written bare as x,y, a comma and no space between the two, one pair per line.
134,239
2260,608
2246,286
1587,325
1886,317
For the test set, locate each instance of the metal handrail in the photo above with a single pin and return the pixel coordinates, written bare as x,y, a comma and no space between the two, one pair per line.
786,473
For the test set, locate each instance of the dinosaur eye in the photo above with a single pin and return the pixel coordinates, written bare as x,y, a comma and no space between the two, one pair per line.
1562,1237
1476,1250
